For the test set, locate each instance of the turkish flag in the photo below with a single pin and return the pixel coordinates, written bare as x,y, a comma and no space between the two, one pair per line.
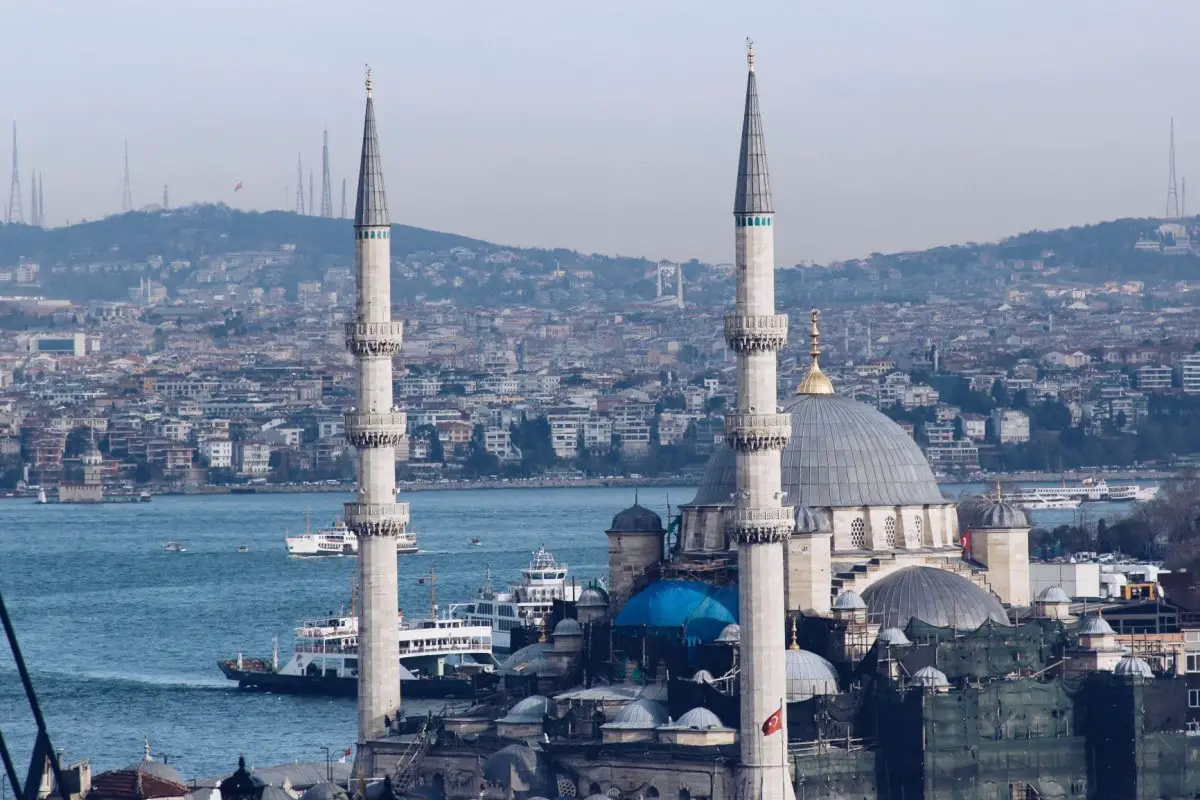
774,722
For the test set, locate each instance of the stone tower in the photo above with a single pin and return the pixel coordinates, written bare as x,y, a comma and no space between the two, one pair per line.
759,523
1000,541
374,428
635,544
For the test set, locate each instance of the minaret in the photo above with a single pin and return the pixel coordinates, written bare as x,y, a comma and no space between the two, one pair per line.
374,428
759,523
679,285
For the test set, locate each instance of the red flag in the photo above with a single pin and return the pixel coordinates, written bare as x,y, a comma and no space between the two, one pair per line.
349,752
774,722
239,185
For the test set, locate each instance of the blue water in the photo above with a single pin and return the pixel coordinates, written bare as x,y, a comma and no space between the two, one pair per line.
122,638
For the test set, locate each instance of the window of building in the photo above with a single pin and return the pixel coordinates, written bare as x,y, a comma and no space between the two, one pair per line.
918,526
1193,662
1193,698
889,531
858,534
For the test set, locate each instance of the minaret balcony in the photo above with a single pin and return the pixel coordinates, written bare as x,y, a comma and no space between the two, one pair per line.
377,519
367,339
364,429
759,525
756,333
758,431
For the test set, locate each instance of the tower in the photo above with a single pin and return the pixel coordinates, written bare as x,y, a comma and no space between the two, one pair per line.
679,285
312,206
759,523
326,188
127,193
33,200
1172,193
343,215
41,199
14,194
1000,541
374,428
166,198
299,186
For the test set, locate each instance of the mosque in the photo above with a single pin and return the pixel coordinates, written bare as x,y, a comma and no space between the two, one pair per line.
809,626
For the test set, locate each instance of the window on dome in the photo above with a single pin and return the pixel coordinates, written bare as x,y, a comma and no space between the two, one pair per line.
858,534
889,531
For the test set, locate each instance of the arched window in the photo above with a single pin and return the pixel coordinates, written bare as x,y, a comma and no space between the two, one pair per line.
918,525
858,534
889,531
652,793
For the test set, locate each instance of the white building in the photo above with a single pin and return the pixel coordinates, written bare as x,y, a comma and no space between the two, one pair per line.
253,458
1011,426
218,453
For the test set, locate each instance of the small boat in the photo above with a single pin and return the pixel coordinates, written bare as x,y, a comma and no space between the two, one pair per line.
243,548
42,497
475,542
173,547
144,497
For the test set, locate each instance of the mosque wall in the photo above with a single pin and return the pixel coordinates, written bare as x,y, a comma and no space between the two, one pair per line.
652,775
884,528
702,530
807,569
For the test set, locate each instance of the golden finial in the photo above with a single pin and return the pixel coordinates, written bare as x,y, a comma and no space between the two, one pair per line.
815,382
370,94
794,645
999,493
750,53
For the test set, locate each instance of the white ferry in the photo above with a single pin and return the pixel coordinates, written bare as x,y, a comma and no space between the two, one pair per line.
527,604
335,541
1089,491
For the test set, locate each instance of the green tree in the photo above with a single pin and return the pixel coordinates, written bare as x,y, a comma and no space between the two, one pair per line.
479,461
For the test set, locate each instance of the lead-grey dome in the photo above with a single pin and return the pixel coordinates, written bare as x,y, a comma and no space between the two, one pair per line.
699,719
893,637
637,519
1133,667
518,760
1094,625
324,791
567,627
592,597
808,675
1003,515
842,453
930,678
849,600
1053,594
934,596
639,715
531,709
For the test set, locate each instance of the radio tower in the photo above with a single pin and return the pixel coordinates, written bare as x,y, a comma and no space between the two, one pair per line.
127,194
299,186
326,187
312,206
33,201
41,199
14,194
343,198
166,198
1172,194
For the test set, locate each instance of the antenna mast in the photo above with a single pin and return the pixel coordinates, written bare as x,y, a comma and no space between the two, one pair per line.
127,194
326,186
1172,193
299,186
14,195
33,195
166,198
312,206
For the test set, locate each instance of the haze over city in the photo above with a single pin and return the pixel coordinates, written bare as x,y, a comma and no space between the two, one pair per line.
605,127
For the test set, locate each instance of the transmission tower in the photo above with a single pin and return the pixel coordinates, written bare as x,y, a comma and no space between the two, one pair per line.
343,198
166,198
299,187
1172,193
33,201
326,186
312,206
14,194
1183,197
42,199
127,194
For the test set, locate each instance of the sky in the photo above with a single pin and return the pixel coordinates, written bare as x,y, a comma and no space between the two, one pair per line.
612,126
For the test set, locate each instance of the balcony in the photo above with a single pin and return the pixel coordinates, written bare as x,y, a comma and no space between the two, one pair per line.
758,431
371,339
377,519
375,430
756,333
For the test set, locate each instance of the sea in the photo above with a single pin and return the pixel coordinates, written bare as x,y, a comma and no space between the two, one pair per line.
122,638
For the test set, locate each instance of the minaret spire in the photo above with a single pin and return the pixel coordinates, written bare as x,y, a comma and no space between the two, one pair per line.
753,195
371,207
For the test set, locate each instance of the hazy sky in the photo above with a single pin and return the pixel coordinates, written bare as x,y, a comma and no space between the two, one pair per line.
613,126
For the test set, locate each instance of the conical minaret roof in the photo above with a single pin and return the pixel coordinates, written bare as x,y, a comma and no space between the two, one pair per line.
371,208
753,195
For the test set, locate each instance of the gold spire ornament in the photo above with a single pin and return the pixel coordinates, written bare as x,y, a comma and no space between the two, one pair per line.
794,645
815,382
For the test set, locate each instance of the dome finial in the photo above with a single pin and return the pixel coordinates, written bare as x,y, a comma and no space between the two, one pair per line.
815,382
794,645
369,92
750,53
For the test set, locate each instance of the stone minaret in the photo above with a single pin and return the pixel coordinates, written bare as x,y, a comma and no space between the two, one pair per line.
374,428
759,522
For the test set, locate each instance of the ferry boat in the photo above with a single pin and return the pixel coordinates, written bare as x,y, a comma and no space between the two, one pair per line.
527,604
440,657
337,540
1090,490
174,547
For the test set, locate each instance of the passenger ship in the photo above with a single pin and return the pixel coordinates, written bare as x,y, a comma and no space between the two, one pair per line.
527,604
336,541
1089,491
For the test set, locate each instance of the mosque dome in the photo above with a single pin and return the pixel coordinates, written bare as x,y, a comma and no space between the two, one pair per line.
592,597
698,719
1094,625
934,596
529,709
893,637
515,759
930,678
842,454
808,675
731,634
641,714
701,610
529,660
637,519
1133,667
1003,515
567,627
1053,594
810,521
849,600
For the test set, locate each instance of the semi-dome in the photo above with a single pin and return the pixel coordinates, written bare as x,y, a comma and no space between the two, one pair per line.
730,634
698,719
1053,594
1003,515
567,627
934,596
1095,625
849,600
641,714
701,610
893,637
592,597
842,453
808,675
637,519
810,521
530,709
930,678
1133,667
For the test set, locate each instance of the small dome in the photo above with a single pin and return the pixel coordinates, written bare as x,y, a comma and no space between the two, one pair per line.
893,637
849,600
1094,625
592,597
930,678
1053,594
1003,515
529,660
703,676
934,596
568,627
808,675
698,719
324,791
810,521
530,709
516,758
731,634
637,519
1132,666
641,714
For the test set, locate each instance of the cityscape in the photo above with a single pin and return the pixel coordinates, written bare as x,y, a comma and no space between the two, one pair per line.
546,523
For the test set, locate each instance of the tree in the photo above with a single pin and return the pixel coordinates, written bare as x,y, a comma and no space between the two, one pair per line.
714,404
999,393
78,441
479,461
